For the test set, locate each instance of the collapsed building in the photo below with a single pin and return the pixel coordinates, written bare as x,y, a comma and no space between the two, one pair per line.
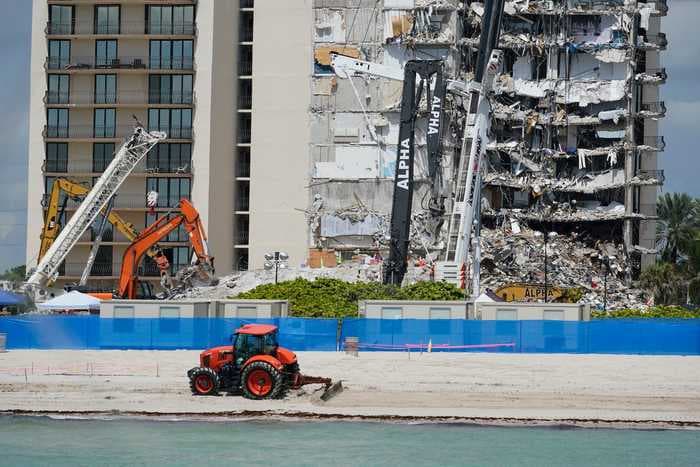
574,123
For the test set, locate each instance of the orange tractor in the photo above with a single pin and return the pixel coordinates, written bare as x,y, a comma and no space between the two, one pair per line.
254,365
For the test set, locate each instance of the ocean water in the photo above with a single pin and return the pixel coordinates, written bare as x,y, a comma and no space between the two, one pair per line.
30,441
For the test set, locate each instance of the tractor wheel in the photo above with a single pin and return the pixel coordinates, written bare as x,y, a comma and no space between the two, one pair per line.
204,382
260,380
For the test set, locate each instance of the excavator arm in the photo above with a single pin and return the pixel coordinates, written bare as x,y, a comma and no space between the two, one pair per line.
128,279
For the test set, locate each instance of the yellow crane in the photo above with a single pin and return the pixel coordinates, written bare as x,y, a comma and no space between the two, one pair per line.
77,191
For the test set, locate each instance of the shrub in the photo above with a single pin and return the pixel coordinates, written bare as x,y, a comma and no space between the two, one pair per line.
334,298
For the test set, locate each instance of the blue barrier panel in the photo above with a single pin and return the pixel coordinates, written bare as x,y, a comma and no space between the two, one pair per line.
553,337
642,336
672,337
308,333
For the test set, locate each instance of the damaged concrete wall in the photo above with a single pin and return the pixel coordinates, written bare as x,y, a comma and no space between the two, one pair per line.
575,111
355,121
572,110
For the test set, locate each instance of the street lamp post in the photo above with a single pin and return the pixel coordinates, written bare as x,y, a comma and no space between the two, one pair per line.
276,260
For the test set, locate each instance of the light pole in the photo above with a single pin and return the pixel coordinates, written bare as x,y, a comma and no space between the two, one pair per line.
276,260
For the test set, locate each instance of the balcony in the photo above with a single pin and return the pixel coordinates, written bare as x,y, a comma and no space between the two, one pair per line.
651,143
90,132
652,76
89,168
130,201
652,109
652,175
242,237
126,63
659,40
98,269
121,98
126,28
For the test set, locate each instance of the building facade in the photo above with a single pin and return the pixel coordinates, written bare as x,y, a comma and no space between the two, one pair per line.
95,67
574,124
278,153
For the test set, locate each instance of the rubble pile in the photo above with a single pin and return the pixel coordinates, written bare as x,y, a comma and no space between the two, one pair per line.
515,254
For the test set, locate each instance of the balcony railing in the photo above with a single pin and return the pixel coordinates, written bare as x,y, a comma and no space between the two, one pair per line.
120,63
97,270
243,203
658,40
242,237
108,132
243,168
125,27
245,101
119,98
656,143
125,201
653,74
651,175
243,134
245,66
88,166
657,108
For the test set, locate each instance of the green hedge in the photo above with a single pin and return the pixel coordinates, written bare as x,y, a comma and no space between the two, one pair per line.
334,298
662,311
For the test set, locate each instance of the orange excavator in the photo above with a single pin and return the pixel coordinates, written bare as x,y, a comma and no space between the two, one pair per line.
200,273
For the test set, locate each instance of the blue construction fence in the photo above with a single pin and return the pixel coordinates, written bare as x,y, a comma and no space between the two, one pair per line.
640,336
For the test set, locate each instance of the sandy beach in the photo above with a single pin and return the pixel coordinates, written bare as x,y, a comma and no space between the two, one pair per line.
587,390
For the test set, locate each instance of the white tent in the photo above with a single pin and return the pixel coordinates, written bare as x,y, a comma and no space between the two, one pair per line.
483,298
71,301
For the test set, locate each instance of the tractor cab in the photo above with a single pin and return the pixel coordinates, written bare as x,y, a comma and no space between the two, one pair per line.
254,339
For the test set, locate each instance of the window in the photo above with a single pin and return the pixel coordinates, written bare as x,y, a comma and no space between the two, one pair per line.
107,19
506,314
170,157
105,53
170,19
167,55
60,19
105,89
553,315
170,89
58,89
177,123
57,157
103,260
122,311
105,123
391,312
439,313
57,126
170,191
59,54
169,311
102,155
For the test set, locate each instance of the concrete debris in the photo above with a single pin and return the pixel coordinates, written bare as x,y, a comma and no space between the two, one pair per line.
581,92
573,260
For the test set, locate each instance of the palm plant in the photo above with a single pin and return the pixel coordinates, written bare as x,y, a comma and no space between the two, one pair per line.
679,219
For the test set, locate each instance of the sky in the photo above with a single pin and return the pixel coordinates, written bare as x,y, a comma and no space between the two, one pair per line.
680,128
